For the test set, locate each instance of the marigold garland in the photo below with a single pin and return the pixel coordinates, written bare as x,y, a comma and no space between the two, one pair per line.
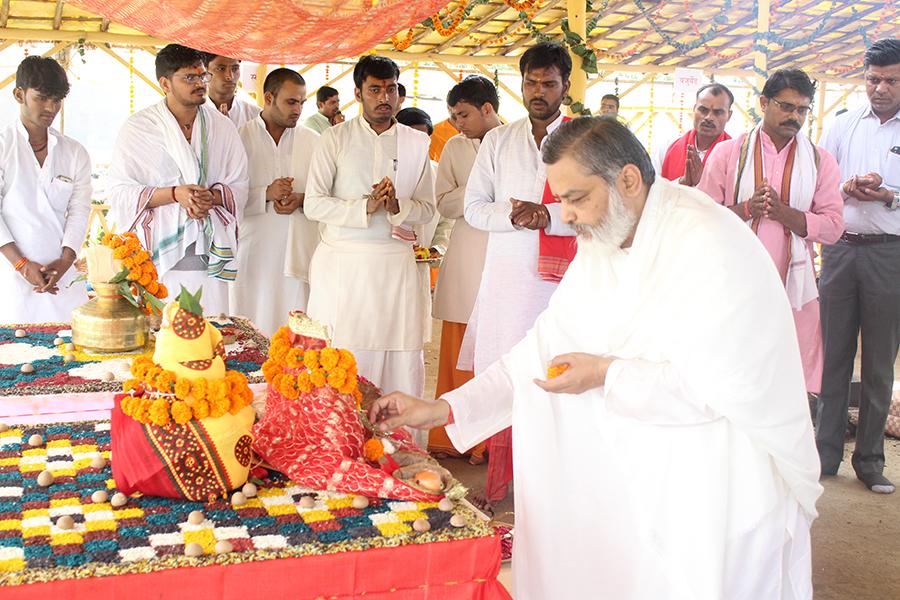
139,269
293,371
157,396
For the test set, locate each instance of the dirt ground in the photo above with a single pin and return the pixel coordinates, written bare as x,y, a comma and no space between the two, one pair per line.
856,539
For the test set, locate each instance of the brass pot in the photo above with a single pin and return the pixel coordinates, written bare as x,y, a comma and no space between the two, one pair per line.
109,323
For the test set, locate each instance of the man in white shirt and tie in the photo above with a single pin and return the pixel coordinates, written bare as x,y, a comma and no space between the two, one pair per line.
860,283
45,198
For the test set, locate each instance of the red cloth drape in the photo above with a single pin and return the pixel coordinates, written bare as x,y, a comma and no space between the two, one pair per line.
436,571
296,31
676,156
554,252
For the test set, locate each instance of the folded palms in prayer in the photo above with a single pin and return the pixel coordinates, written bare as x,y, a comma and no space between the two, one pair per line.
289,204
383,194
585,372
529,215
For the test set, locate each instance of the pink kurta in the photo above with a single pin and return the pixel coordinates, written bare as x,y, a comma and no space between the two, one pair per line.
824,224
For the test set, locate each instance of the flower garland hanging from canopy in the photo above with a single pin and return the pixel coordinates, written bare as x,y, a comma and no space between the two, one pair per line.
266,31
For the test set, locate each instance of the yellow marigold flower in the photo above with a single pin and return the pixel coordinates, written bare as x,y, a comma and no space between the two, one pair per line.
130,384
164,381
126,404
159,412
215,390
303,382
199,388
247,395
139,366
553,372
287,386
292,358
107,239
182,388
201,409
141,257
373,449
181,412
347,359
143,413
317,377
237,404
276,381
282,335
278,351
329,358
335,380
120,252
311,359
145,279
218,407
115,241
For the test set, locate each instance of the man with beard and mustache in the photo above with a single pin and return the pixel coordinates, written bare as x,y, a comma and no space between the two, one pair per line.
674,457
786,189
178,177
370,182
226,72
860,281
529,246
683,159
45,199
274,228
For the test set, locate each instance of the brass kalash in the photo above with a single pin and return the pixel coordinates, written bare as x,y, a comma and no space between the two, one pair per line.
108,323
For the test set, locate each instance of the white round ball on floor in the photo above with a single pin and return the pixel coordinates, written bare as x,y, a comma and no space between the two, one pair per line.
193,550
108,376
99,497
238,499
36,440
458,521
59,341
196,517
360,502
20,333
249,490
70,347
446,504
421,525
224,547
69,358
27,368
98,462
45,478
307,502
119,499
65,522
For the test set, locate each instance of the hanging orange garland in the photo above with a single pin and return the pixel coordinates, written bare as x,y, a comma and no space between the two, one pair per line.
402,44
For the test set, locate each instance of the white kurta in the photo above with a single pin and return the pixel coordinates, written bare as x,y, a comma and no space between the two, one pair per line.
151,152
460,276
692,474
241,110
42,209
364,284
511,294
261,290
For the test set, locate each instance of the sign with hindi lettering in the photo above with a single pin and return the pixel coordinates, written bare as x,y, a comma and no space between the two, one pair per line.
687,81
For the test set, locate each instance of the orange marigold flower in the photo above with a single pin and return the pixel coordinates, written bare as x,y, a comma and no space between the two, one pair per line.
237,404
219,406
141,257
236,377
159,412
181,412
182,388
120,252
347,359
215,389
303,382
127,404
164,381
135,273
145,279
199,388
292,358
116,241
556,371
317,377
128,263
107,239
143,412
311,359
373,449
131,384
163,291
329,358
287,385
201,409
335,380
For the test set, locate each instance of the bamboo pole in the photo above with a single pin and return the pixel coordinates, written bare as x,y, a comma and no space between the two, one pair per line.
125,64
50,52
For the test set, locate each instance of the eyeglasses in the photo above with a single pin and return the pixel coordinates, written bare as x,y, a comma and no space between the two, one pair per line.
876,81
195,78
788,108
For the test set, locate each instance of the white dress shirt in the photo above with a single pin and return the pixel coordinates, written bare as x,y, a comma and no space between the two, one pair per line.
862,144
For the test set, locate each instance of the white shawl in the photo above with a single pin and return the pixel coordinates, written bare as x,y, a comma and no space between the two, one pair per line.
152,152
801,276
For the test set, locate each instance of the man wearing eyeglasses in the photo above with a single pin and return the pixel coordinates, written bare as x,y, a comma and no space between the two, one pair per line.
786,189
178,177
226,72
860,281
683,160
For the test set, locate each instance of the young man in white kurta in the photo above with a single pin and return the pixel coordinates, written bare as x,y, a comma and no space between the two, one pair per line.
184,198
223,90
364,284
45,197
278,172
674,459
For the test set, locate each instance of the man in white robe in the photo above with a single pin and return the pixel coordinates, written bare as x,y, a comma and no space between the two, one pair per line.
504,197
178,178
278,153
45,197
674,458
223,89
369,176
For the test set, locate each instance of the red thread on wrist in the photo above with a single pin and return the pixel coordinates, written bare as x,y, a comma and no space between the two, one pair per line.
20,263
746,211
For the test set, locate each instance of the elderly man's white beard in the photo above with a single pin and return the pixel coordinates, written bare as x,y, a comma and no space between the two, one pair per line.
613,230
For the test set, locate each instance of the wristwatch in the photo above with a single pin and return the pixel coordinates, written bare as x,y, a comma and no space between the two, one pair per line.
894,201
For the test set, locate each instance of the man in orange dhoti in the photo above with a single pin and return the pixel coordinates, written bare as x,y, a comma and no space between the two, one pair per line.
473,105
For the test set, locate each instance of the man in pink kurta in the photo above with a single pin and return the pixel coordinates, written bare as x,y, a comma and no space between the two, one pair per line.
787,190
